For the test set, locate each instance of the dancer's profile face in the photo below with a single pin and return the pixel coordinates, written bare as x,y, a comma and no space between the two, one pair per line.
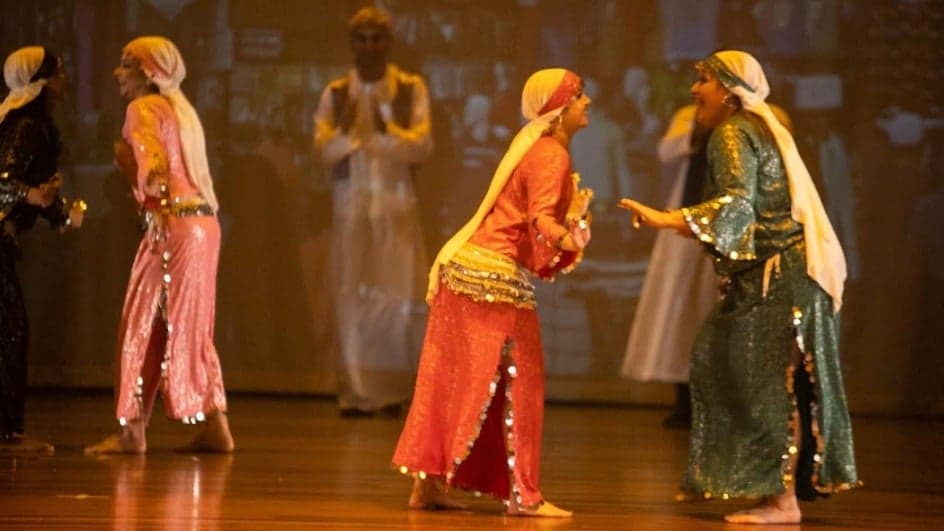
56,85
709,95
132,82
575,116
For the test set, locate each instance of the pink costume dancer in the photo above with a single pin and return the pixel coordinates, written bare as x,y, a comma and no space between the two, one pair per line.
477,411
165,341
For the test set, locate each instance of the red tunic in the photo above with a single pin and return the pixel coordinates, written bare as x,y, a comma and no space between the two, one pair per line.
526,222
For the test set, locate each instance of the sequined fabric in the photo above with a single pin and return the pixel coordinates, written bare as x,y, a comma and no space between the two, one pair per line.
526,222
487,276
744,386
151,130
12,192
29,156
13,342
29,151
478,406
165,341
456,428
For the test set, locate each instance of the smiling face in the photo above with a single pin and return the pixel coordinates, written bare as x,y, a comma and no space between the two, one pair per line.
132,82
575,116
709,95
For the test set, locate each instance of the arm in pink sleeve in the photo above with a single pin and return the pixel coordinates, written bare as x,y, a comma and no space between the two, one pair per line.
142,131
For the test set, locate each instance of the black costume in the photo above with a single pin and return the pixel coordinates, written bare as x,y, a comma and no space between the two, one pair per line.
29,153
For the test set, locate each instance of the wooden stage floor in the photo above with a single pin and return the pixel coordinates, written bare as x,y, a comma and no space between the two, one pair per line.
299,466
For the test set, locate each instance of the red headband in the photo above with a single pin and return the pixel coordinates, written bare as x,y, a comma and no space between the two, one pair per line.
569,87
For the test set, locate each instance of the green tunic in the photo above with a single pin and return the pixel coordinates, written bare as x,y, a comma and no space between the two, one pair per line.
745,387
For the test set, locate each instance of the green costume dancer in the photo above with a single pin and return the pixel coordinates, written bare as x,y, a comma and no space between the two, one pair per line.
769,414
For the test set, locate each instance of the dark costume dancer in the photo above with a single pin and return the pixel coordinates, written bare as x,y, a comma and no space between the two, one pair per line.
29,189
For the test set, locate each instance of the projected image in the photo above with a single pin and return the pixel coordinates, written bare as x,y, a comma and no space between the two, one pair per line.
865,114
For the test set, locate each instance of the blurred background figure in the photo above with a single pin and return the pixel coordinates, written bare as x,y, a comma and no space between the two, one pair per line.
479,146
679,289
371,127
248,64
642,126
599,152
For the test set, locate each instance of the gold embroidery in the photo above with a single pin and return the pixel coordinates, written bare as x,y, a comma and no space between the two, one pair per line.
488,276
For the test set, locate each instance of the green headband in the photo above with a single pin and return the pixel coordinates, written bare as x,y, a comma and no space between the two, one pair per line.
727,78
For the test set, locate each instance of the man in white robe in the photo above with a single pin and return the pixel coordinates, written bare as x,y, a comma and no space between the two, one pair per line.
372,127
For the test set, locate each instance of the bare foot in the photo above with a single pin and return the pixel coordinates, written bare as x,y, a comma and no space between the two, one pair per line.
22,445
130,440
214,438
546,509
772,510
430,494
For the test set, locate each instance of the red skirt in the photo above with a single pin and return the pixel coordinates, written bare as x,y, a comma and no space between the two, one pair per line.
478,407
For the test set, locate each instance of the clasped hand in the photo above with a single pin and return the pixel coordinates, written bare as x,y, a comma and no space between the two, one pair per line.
44,194
360,128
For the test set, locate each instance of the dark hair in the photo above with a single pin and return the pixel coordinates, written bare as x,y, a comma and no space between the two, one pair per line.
48,67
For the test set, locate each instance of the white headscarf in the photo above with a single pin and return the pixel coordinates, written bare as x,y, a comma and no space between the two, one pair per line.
537,93
18,69
163,65
740,73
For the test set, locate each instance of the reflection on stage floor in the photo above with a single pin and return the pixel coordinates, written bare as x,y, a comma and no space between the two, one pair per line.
298,465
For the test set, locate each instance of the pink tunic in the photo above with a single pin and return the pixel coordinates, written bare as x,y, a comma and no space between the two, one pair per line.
165,340
477,411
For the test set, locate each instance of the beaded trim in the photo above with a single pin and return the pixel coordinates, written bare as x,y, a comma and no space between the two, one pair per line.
191,210
728,79
701,230
790,446
486,276
509,424
181,208
809,365
507,367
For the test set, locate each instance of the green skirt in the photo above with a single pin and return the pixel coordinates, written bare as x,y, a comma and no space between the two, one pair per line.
745,388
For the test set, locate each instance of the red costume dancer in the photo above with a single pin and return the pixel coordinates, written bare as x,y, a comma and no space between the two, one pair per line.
165,339
477,411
